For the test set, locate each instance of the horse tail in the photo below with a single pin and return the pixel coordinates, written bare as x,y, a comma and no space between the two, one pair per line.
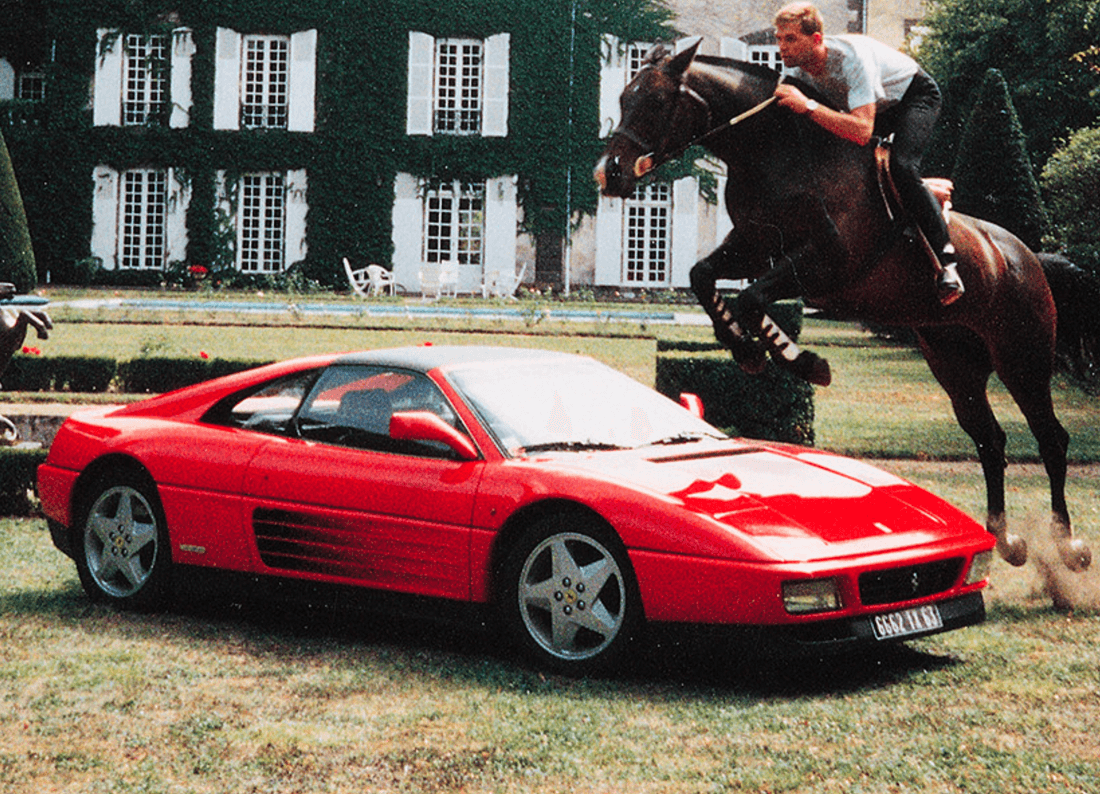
1077,297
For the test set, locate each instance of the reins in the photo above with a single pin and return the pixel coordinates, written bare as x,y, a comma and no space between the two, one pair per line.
647,162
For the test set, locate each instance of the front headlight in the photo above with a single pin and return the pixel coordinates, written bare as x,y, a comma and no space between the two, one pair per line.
979,567
811,595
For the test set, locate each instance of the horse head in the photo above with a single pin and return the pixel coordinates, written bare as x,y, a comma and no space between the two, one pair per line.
660,116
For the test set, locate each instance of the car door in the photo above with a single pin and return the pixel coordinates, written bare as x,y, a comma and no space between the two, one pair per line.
343,501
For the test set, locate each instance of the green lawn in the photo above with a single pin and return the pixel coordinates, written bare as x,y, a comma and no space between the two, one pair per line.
230,698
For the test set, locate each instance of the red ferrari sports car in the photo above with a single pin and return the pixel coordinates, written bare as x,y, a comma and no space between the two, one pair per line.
577,502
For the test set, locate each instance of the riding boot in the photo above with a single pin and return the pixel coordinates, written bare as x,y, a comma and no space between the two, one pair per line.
949,286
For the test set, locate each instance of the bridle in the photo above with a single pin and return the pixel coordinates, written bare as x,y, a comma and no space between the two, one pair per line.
659,155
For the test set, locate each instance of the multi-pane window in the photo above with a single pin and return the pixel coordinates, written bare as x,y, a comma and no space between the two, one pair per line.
458,86
31,86
766,55
142,219
647,244
635,58
455,223
266,82
262,222
144,79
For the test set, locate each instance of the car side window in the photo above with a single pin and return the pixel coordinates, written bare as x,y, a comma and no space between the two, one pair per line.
351,406
268,409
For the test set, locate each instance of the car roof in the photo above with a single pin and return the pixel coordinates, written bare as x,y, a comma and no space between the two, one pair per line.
429,357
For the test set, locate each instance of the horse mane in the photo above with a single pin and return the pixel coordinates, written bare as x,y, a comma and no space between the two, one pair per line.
765,73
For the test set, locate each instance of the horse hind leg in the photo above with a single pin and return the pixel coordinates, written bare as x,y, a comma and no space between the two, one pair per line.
960,363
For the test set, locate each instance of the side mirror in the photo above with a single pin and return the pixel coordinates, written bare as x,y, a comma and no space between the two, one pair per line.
692,403
426,426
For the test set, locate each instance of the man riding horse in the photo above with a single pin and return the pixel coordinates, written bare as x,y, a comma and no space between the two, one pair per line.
878,91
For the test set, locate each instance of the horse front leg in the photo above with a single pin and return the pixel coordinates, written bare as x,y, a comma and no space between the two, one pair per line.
749,354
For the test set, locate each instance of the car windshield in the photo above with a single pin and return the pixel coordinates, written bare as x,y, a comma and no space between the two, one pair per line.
572,406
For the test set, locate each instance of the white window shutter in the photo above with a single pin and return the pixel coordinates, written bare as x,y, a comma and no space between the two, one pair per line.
501,216
612,83
296,208
183,47
685,230
7,80
609,242
408,230
303,81
175,218
418,111
734,48
494,122
107,91
227,81
227,212
105,216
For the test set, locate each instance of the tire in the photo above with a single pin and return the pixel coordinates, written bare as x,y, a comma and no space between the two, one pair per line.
568,596
122,551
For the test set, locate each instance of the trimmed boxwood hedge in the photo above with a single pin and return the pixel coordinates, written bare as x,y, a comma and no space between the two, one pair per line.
154,375
59,373
773,405
18,468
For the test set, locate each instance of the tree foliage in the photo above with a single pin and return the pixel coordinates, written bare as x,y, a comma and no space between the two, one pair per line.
16,254
993,175
1071,180
1041,47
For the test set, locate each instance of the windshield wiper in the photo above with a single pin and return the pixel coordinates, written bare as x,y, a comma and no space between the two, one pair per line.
571,446
681,438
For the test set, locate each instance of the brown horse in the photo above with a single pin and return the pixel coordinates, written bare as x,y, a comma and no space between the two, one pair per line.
810,219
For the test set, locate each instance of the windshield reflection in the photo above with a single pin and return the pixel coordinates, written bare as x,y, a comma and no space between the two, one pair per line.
577,406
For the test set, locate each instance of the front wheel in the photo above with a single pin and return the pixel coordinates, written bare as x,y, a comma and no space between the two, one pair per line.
122,549
568,596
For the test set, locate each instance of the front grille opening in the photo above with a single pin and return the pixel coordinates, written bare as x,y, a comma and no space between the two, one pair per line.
909,582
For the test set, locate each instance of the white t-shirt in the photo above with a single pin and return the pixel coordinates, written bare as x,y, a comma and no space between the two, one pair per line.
860,70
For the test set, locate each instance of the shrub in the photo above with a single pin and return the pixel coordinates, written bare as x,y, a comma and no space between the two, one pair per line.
154,375
59,373
18,469
1071,180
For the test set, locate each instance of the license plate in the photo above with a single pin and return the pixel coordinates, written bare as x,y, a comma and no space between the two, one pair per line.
906,622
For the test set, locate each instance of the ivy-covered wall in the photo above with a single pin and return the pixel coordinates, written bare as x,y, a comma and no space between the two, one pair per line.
359,144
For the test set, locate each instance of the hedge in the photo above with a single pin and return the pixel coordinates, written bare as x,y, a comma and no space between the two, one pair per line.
18,469
773,405
160,374
59,373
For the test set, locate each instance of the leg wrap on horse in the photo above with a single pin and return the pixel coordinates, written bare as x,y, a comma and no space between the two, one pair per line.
781,282
727,330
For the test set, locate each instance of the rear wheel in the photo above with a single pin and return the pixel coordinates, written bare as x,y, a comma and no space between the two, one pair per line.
568,595
122,548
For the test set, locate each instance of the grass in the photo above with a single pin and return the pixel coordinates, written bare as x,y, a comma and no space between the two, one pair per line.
242,698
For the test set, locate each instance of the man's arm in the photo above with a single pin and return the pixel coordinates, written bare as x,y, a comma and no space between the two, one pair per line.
856,126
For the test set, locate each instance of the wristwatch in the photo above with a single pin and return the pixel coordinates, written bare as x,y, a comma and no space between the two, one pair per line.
812,105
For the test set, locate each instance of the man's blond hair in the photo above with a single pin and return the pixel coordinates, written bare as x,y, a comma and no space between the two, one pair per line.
805,15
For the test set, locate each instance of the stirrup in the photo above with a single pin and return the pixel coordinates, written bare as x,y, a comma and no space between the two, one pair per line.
949,286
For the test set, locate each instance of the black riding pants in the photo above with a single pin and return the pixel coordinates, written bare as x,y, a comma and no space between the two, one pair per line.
911,121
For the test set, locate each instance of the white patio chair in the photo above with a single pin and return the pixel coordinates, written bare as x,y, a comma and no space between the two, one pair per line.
501,284
381,280
430,284
358,279
448,277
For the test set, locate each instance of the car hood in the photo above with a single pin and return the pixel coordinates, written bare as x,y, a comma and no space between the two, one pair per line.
795,505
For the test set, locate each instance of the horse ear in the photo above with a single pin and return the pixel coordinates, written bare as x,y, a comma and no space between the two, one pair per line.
682,60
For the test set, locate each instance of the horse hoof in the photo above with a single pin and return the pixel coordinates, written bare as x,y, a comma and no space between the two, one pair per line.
1075,554
1013,549
811,368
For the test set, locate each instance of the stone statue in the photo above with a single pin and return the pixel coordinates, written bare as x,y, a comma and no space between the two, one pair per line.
16,314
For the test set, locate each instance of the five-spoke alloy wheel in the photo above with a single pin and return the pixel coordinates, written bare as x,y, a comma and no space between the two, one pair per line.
569,596
122,550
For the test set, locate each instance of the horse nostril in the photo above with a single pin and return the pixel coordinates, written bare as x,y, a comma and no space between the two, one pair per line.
614,168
